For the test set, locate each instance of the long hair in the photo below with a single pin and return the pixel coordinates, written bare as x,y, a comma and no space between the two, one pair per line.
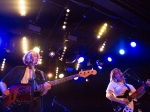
26,55
112,74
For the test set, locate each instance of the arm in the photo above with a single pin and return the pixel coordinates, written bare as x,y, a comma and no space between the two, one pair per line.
4,89
45,86
111,97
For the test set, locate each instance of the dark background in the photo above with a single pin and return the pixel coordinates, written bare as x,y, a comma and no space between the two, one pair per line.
127,21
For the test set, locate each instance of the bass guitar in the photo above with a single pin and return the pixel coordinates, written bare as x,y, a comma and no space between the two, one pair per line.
21,93
118,107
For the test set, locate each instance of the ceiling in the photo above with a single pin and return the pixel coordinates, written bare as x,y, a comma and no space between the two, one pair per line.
127,21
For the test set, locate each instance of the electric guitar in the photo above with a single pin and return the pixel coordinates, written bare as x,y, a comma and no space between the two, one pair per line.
21,93
118,107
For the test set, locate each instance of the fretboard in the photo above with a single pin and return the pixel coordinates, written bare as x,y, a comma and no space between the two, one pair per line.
55,82
137,92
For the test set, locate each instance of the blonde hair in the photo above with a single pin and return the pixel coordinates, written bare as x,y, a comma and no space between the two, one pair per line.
112,74
24,58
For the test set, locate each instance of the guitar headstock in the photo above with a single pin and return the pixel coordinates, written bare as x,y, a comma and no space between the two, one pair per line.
148,82
86,73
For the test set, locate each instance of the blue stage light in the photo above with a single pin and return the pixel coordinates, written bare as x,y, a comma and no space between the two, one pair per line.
80,60
133,44
121,51
109,59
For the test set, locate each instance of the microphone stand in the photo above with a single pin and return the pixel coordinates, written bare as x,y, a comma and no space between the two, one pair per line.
65,109
31,82
138,80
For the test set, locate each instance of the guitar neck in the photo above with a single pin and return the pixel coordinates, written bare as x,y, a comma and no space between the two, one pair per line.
55,82
138,91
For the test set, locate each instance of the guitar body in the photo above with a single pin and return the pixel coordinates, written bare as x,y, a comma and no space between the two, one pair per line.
118,107
19,93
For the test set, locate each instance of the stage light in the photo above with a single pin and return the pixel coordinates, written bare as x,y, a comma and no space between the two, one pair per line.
133,44
22,7
51,54
101,31
77,66
86,80
0,41
76,78
99,67
105,24
50,75
24,44
36,49
65,22
57,69
61,75
109,59
80,60
40,61
98,36
68,10
3,64
121,51
64,27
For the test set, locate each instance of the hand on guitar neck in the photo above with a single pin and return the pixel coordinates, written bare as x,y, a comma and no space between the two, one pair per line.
21,92
123,102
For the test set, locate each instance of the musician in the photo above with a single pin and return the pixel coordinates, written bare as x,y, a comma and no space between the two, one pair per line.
28,74
118,88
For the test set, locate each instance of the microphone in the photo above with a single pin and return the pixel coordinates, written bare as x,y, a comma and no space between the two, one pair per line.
124,73
53,100
30,59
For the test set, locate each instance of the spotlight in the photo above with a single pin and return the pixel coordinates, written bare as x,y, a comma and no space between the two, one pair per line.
133,44
121,51
68,10
99,67
80,60
76,78
61,75
51,54
36,49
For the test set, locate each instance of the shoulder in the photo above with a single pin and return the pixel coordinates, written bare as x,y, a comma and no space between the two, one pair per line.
19,67
131,86
112,84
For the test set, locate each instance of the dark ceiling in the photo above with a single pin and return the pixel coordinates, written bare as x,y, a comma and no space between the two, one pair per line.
127,21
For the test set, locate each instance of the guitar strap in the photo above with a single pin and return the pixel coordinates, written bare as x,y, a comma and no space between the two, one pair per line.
126,94
127,87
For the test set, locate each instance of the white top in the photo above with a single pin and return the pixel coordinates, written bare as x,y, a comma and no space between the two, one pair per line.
119,89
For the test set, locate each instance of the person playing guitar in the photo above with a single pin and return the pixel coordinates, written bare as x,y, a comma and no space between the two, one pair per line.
123,96
25,75
23,86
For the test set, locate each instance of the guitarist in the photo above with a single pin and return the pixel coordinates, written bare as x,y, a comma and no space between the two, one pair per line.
22,75
118,91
